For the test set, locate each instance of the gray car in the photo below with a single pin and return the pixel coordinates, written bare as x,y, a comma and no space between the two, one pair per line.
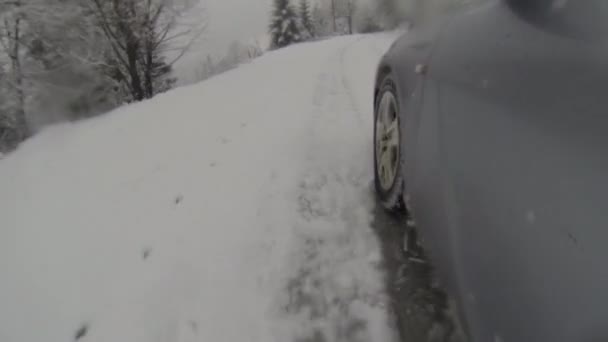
491,130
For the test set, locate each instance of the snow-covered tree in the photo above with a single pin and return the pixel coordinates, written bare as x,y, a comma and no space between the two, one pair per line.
237,53
284,28
254,49
321,19
306,19
9,134
333,17
13,36
49,66
346,10
205,70
67,59
52,60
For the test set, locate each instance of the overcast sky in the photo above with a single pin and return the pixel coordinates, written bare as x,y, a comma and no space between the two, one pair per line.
231,20
228,20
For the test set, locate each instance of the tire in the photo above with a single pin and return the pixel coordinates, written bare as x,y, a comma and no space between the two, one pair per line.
388,189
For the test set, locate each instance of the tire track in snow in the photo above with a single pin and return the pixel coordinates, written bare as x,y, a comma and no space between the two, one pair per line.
345,82
336,289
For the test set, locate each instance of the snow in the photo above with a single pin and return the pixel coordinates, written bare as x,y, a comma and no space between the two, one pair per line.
237,209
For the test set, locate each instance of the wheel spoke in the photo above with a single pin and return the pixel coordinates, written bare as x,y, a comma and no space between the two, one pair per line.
384,104
379,133
392,127
393,134
387,165
393,141
386,158
379,154
387,141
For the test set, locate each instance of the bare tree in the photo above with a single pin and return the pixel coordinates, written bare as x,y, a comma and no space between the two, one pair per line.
333,15
47,56
66,59
254,50
141,33
349,12
11,41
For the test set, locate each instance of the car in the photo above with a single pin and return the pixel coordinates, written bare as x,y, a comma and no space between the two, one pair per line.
491,131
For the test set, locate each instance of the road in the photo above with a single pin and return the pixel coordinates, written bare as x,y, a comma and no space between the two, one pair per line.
422,310
235,209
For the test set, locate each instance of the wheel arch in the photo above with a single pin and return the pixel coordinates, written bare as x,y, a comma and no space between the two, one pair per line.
383,70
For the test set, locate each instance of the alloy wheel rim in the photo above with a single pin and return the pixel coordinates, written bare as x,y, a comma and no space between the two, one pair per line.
387,141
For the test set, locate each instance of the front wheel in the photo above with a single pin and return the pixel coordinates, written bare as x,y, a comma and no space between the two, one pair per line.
388,176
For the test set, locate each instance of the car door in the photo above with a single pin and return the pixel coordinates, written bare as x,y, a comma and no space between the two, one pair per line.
520,110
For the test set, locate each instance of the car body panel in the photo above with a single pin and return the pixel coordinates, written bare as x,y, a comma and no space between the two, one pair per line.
409,51
506,159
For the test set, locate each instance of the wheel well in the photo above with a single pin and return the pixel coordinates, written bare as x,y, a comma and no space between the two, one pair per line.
383,71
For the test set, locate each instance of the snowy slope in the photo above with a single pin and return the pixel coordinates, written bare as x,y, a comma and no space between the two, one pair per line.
237,209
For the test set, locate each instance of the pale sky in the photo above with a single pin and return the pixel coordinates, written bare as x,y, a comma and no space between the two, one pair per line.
231,20
242,20
228,20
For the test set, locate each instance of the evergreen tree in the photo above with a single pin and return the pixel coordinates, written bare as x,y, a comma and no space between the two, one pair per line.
284,29
306,18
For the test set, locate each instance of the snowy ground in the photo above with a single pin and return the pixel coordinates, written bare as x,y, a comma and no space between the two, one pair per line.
237,209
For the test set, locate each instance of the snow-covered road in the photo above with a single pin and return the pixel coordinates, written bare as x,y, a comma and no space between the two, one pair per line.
237,209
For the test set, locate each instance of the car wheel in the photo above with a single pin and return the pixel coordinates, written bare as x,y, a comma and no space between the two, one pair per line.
388,178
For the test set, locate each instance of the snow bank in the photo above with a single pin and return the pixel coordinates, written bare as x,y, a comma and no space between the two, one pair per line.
235,209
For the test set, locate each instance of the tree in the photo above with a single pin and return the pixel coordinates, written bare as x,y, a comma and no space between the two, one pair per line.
65,63
57,63
206,69
333,15
306,19
254,49
14,122
65,59
347,10
236,54
140,33
284,29
49,66
9,135
321,19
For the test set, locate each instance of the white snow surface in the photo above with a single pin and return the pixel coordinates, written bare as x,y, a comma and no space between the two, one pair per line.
237,209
